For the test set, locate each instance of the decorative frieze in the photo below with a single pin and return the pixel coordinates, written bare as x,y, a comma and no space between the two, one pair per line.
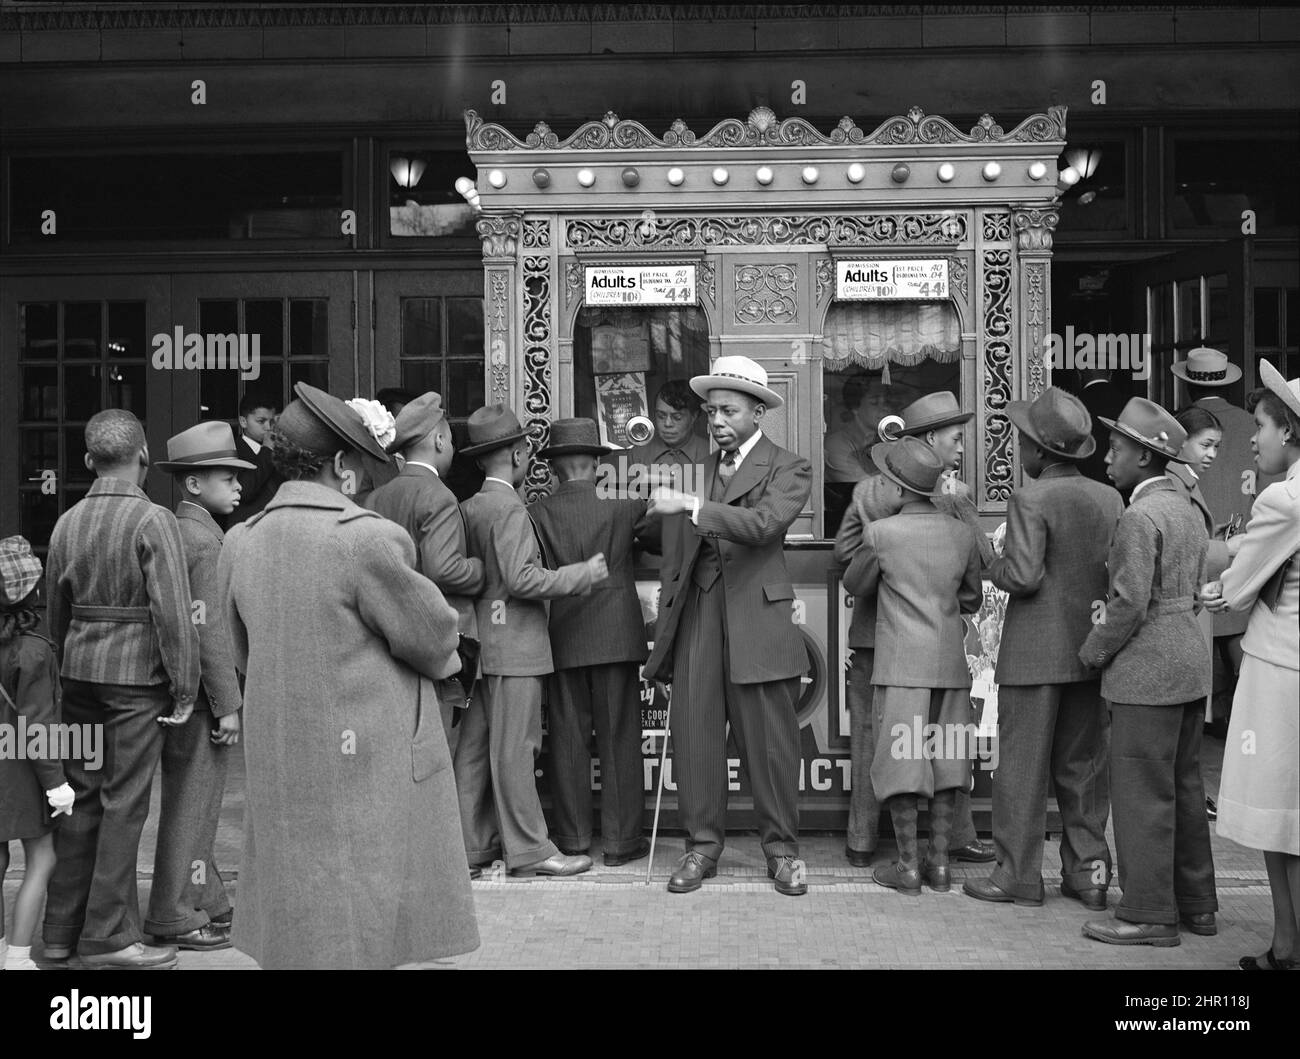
935,228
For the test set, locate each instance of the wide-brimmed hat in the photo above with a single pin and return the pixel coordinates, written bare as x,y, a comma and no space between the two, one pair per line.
492,427
933,411
302,422
1057,422
203,447
574,437
1206,367
416,421
911,463
20,570
737,373
1287,391
1151,427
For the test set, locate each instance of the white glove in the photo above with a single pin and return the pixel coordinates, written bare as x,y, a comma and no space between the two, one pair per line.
61,799
1000,538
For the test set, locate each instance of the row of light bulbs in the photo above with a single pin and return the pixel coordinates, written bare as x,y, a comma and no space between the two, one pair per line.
765,175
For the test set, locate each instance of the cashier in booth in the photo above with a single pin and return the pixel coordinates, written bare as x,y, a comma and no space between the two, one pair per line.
676,442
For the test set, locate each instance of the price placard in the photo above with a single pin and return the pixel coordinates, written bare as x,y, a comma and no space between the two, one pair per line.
640,285
891,279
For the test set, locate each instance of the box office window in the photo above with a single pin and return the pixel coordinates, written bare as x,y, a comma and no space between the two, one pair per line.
75,359
877,358
194,196
422,198
623,357
1212,181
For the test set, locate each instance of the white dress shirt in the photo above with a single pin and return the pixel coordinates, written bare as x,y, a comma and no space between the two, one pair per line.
745,448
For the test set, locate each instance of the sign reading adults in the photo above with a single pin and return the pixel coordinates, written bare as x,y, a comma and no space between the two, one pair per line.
640,285
891,279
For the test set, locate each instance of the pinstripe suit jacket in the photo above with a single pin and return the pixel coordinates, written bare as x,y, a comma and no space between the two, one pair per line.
1059,529
573,524
516,586
1150,646
202,537
119,595
419,502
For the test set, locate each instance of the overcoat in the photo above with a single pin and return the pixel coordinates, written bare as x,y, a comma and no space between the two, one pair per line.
353,854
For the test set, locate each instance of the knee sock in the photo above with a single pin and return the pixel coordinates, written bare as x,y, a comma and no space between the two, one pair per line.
943,807
902,810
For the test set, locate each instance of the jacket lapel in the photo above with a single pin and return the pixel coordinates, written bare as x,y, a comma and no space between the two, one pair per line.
751,470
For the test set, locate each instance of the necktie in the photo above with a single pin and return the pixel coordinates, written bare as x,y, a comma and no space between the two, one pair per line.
728,466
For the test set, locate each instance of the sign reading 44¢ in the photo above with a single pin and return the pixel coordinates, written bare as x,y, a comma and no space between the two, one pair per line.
891,278
640,285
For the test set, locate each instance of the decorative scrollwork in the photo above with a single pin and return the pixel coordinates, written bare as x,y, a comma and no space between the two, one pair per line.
998,467
537,367
499,334
997,226
762,128
862,229
957,276
572,283
765,294
707,281
1035,310
500,237
1034,228
825,277
537,234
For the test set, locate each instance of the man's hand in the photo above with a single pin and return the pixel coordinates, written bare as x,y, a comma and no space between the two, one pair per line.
670,501
598,567
226,733
1000,539
179,715
1212,597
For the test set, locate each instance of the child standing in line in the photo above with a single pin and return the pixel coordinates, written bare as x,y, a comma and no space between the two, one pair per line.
29,679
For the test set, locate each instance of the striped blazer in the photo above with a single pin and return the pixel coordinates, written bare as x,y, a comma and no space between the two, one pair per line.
119,595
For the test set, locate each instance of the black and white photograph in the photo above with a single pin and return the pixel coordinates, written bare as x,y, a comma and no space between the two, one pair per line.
650,487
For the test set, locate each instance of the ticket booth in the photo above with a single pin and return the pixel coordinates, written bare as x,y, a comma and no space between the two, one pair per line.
861,268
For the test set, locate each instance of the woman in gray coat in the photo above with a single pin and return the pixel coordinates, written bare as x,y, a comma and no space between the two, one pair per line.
353,855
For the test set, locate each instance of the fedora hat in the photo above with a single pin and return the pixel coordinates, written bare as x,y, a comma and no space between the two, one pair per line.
1057,422
933,411
1288,392
204,446
20,570
302,420
416,421
1206,367
737,373
574,437
1151,427
492,427
911,463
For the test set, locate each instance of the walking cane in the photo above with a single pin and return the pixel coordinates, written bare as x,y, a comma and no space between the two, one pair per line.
659,795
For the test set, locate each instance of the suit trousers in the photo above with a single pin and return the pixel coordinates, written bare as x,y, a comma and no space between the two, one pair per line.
500,739
187,889
1162,835
606,697
92,902
1051,737
864,807
762,718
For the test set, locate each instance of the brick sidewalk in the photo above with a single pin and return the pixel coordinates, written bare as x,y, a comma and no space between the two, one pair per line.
610,918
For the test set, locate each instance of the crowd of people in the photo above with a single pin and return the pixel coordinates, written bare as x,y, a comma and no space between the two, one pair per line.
382,651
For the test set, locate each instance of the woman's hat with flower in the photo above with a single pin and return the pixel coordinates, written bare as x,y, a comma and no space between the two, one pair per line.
318,422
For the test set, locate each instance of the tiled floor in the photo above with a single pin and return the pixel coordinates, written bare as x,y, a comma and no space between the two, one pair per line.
611,918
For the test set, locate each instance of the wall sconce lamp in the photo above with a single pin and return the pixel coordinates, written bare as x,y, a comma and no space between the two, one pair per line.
1083,161
407,171
465,187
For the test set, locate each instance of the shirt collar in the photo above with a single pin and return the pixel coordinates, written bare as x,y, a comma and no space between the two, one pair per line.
256,446
1142,485
747,447
494,478
116,487
426,466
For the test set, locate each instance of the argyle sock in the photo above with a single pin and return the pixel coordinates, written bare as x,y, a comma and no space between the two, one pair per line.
902,810
943,807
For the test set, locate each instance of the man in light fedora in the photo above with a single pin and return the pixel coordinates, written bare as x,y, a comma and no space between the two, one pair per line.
726,637
1155,675
188,906
938,420
419,501
502,732
924,569
1053,727
598,644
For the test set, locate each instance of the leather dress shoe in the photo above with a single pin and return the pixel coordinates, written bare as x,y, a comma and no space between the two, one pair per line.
789,879
226,919
559,864
974,852
691,872
936,877
1118,932
56,952
988,890
569,852
475,872
201,939
138,957
1092,897
1268,962
906,882
613,860
859,858
1200,923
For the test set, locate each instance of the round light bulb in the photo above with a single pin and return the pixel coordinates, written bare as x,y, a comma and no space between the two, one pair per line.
809,174
764,175
497,178
720,176
1037,171
991,171
946,172
542,178
857,172
586,177
631,178
676,176
900,173
1068,177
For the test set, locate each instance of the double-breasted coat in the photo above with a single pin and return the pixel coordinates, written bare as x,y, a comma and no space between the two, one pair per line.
353,854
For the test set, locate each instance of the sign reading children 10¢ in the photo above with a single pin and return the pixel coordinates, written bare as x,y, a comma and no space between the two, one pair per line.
890,279
640,285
